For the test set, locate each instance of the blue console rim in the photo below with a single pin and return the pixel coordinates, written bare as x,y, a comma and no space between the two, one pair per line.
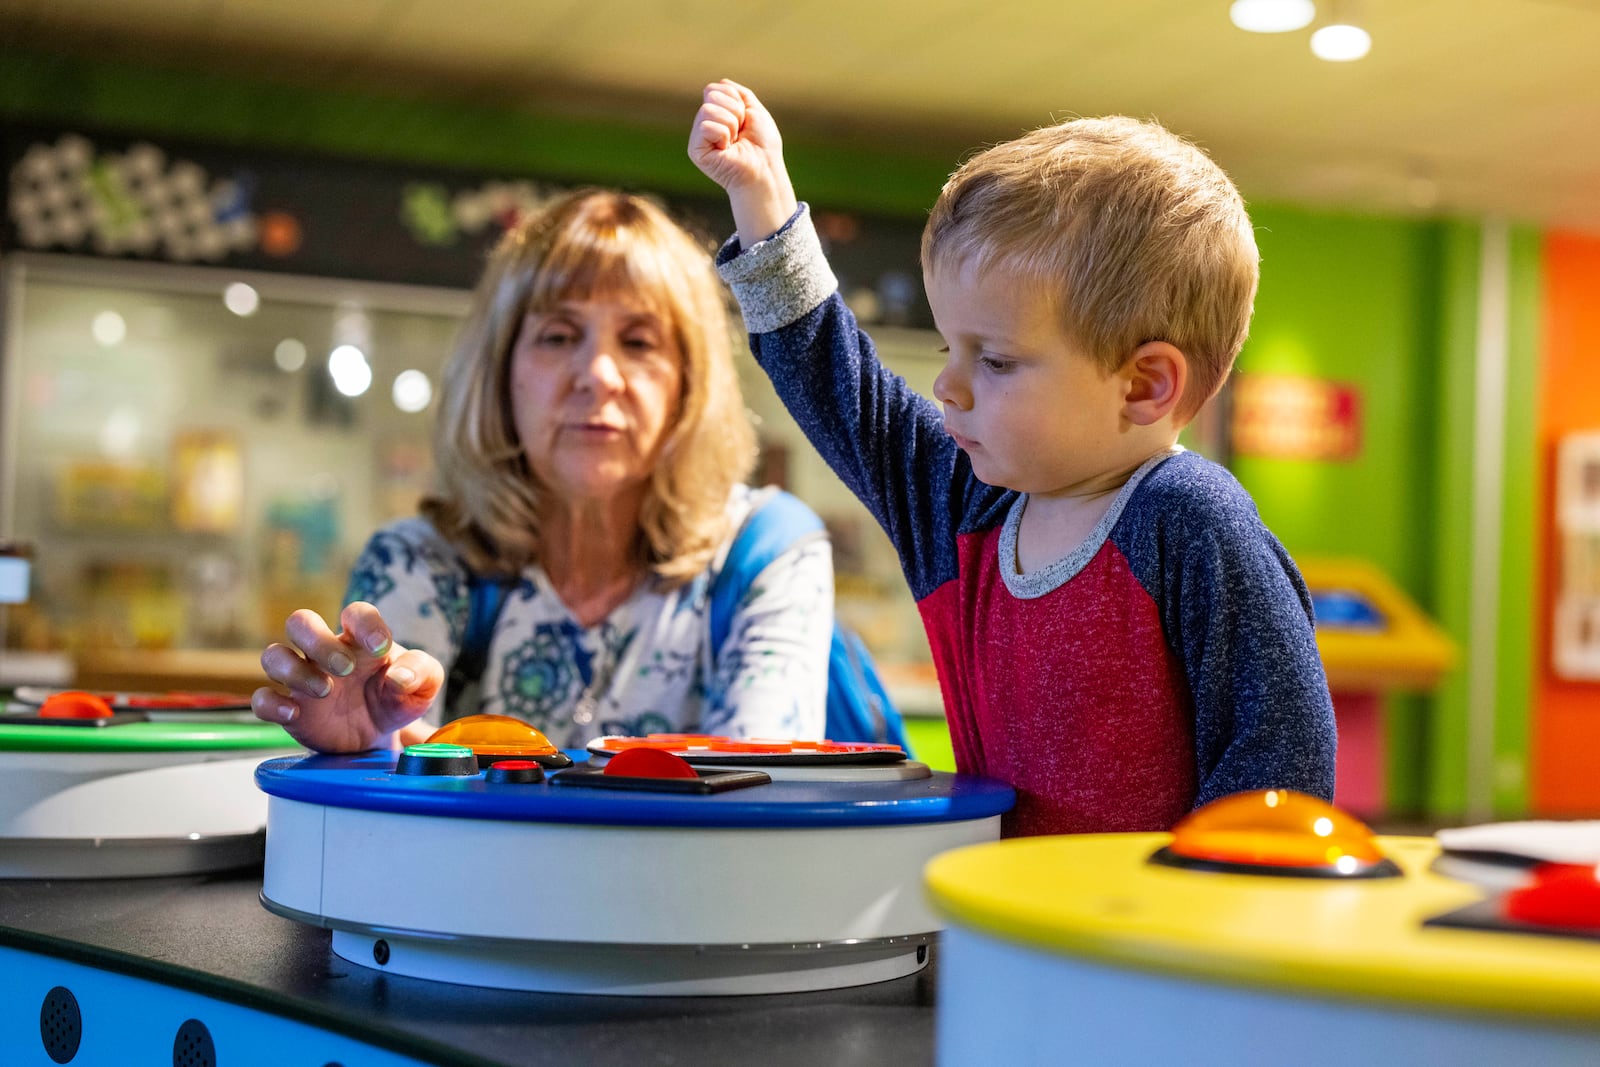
339,781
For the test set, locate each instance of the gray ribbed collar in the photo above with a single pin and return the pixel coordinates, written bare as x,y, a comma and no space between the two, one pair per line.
1053,576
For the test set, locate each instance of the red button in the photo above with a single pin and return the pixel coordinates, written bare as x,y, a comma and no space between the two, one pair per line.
1561,895
649,763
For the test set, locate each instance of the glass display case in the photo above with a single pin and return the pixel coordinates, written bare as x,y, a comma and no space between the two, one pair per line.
190,453
179,456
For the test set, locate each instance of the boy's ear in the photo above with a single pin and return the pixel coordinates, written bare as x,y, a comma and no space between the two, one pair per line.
1156,374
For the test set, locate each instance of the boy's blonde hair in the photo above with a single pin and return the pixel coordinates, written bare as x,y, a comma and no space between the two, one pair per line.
590,245
1132,233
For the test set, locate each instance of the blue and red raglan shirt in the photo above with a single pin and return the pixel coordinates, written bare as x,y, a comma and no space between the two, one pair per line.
1168,661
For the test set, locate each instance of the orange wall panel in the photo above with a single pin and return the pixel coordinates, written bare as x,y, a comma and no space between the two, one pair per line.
1566,715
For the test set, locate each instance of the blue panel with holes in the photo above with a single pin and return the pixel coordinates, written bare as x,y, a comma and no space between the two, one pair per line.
56,1011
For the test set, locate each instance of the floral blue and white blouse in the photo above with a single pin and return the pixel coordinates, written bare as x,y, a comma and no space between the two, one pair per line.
646,668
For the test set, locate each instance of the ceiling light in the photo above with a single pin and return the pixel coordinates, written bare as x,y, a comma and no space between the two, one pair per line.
1341,42
1272,16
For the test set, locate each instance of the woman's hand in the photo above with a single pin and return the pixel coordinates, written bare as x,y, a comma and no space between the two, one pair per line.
736,144
345,692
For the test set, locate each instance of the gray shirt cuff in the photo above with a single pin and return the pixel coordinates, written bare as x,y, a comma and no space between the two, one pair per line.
781,279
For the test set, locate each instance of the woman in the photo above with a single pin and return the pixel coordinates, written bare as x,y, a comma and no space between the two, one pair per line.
591,445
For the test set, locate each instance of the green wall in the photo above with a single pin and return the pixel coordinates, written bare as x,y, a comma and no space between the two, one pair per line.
1353,299
1390,306
1350,299
1516,645
1454,434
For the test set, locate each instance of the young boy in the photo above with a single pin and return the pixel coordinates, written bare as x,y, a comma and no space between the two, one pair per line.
1116,633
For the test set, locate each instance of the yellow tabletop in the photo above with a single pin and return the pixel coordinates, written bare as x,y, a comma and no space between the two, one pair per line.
1095,897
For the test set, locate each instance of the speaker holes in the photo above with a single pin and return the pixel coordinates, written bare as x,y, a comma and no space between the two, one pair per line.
60,1024
193,1047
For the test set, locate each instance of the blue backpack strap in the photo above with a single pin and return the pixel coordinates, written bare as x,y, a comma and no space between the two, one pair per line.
858,705
485,598
859,708
770,531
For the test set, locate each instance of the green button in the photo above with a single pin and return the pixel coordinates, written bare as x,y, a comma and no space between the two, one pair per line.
436,750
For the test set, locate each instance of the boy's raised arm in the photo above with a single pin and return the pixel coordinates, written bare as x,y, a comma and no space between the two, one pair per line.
885,441
736,144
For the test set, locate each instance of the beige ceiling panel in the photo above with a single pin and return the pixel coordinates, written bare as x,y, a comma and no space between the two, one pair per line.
317,23
174,19
490,31
1496,101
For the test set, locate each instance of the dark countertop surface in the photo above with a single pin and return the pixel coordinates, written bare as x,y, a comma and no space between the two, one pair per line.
210,934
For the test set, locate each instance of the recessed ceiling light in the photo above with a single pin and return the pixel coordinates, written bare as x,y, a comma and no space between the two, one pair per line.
1272,16
1341,42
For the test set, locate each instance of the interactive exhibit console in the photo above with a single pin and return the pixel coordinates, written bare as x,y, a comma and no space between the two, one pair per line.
1267,928
108,785
472,884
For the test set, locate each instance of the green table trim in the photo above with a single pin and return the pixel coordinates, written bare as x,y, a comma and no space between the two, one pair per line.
144,737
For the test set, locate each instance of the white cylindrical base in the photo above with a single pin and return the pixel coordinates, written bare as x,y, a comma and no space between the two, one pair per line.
637,910
637,885
635,970
126,814
1000,1002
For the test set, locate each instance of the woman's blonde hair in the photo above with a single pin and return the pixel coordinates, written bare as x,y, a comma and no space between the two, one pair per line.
588,245
1132,233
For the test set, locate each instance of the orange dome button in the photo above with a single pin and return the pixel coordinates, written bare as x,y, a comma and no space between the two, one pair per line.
1275,832
1561,895
496,737
75,704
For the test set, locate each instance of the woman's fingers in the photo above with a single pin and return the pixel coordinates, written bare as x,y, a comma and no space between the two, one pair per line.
270,705
365,629
405,689
415,674
344,692
290,669
322,648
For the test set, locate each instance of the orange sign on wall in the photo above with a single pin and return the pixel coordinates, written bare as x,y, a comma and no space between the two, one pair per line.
1280,416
